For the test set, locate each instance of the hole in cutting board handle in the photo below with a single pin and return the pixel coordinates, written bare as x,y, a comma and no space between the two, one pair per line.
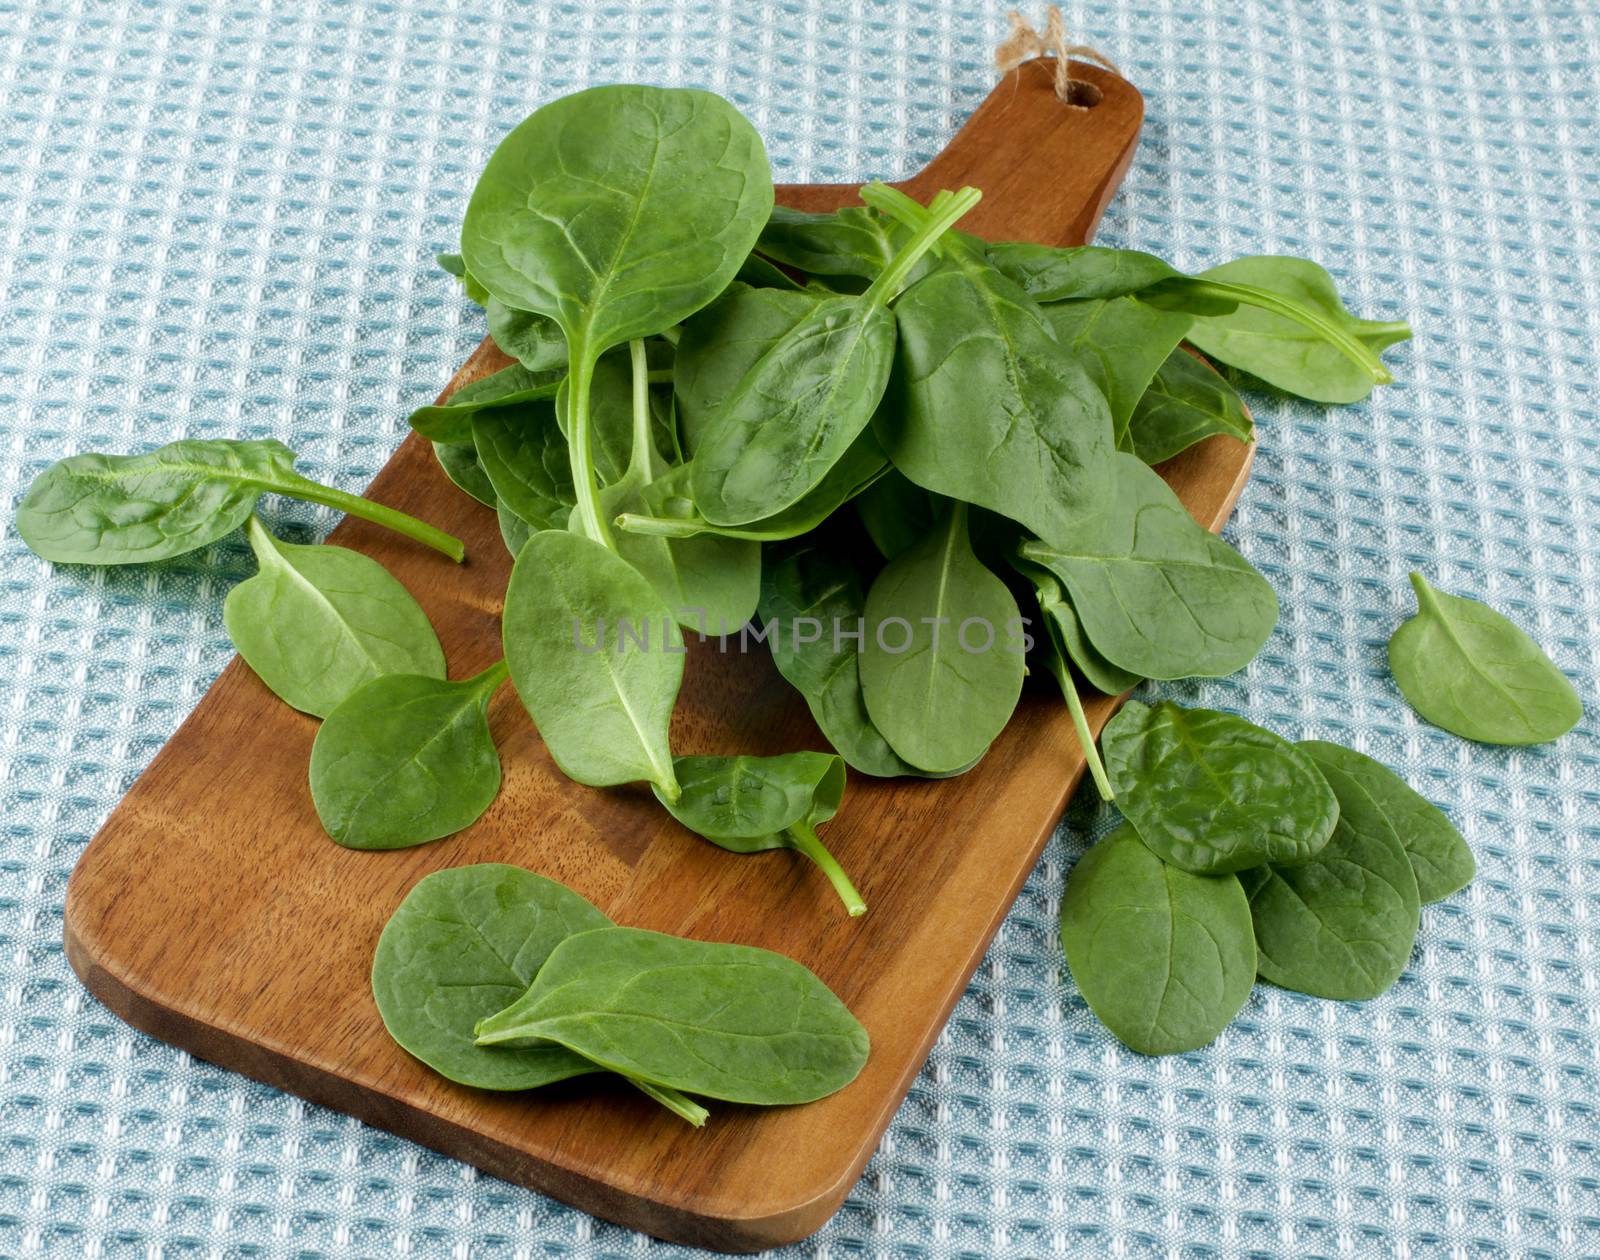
1083,94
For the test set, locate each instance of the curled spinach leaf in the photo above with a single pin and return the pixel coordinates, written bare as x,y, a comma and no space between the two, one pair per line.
724,1021
133,509
1185,403
317,622
853,241
460,463
406,759
451,421
1165,958
1464,667
752,804
1212,793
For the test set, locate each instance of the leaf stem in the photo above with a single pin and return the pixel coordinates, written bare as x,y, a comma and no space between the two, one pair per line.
804,839
934,224
368,510
639,456
1264,299
492,677
1091,754
580,372
673,1101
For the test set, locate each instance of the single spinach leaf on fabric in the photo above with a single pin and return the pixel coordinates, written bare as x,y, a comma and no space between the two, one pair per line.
596,659
460,463
724,1021
815,599
524,457
451,421
808,394
1342,925
1212,793
618,212
317,622
1463,666
406,759
135,509
465,943
1121,343
1164,958
897,513
535,341
1371,795
1283,350
937,689
1158,595
753,804
1185,403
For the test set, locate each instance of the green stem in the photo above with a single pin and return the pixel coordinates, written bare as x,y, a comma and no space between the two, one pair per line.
804,839
673,1101
492,677
669,526
1264,299
924,236
580,372
420,531
1091,754
659,376
639,456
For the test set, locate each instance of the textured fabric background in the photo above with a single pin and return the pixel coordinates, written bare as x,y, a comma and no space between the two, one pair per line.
218,220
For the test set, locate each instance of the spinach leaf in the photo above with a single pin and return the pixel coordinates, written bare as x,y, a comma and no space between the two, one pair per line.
317,622
405,759
1166,959
1276,343
853,241
1464,667
758,273
453,264
938,690
618,212
752,804
1078,273
535,341
514,531
725,1021
1372,795
1212,793
524,457
601,699
465,943
460,463
819,589
1066,632
1121,343
1157,594
1341,925
452,421
1185,403
132,509
897,513
771,439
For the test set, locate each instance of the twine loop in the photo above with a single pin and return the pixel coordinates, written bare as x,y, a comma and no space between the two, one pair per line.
1025,43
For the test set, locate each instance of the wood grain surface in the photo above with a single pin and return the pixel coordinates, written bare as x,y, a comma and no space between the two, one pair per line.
212,912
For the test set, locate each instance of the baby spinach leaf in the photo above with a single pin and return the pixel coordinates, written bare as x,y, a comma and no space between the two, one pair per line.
939,690
752,804
133,509
317,622
1372,795
758,273
1121,343
1157,594
1464,667
1166,959
897,513
772,438
1340,926
406,759
1185,403
815,598
724,1021
1212,793
601,699
514,531
853,241
535,341
1066,632
618,212
460,463
1280,347
452,421
524,456
453,264
465,943
1077,273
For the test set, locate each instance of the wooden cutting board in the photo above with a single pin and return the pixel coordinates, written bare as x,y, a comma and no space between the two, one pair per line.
213,913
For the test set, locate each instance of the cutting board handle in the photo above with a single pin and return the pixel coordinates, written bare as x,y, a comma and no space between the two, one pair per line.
1047,169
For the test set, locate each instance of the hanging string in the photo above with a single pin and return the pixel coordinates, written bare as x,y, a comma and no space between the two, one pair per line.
1025,43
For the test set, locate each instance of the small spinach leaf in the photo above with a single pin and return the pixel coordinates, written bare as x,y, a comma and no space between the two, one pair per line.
752,804
853,241
451,421
514,531
1156,593
1371,794
524,457
1464,667
406,759
1121,343
1077,273
535,341
460,463
1212,793
725,1021
1185,403
1166,959
317,622
897,513
465,943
